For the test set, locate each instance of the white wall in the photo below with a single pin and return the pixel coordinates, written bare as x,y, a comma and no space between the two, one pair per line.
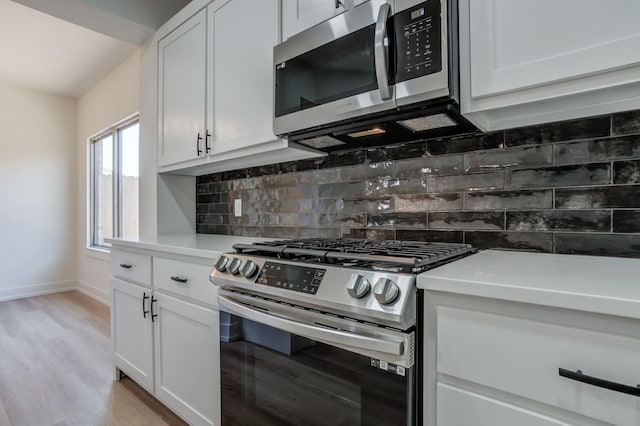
113,99
38,215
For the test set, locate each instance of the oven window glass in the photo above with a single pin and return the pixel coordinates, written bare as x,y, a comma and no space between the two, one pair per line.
336,70
271,377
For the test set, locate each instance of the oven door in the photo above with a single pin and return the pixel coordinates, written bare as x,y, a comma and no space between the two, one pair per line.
337,70
283,367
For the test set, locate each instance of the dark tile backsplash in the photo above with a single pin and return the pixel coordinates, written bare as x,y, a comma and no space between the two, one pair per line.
566,187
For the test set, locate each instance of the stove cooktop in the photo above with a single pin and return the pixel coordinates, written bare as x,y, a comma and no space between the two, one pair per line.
387,255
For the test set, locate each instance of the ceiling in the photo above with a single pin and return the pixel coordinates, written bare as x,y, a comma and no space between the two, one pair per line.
46,53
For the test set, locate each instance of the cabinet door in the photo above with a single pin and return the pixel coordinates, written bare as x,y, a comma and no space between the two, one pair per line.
187,346
518,44
298,15
182,92
131,331
243,33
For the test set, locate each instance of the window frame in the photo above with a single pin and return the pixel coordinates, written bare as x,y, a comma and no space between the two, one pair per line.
115,132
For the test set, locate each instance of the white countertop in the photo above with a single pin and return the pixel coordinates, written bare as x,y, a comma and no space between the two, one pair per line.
200,245
604,285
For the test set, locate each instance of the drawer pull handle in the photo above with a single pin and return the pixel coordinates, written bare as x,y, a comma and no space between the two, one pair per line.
144,299
126,266
579,376
179,280
153,314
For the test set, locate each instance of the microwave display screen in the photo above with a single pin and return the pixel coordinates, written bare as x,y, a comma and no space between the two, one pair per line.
419,43
339,69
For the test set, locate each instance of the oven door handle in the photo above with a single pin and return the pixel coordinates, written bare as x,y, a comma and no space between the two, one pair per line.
326,335
381,51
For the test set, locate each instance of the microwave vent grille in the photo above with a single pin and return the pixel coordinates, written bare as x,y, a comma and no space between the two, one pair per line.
430,122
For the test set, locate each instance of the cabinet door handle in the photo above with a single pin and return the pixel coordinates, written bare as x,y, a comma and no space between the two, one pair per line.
339,3
144,299
579,376
206,142
126,266
179,280
198,139
153,315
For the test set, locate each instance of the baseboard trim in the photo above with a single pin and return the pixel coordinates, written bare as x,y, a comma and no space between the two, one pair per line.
94,292
36,290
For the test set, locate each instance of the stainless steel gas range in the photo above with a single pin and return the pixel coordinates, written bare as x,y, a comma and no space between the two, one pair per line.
323,332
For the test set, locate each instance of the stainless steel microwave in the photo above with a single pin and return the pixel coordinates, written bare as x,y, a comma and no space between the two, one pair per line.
384,72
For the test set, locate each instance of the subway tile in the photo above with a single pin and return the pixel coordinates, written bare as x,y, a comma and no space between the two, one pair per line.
430,236
466,220
584,174
560,131
319,233
382,187
246,231
368,171
618,148
466,144
350,158
370,234
271,169
509,200
298,166
516,157
525,241
619,245
342,219
235,174
276,181
441,165
560,220
317,177
342,189
296,192
467,182
397,220
213,219
427,202
368,205
202,208
627,196
205,198
280,233
626,172
626,221
625,123
202,188
219,208
398,152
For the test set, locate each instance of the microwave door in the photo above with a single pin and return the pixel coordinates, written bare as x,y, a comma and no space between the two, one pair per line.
422,51
329,73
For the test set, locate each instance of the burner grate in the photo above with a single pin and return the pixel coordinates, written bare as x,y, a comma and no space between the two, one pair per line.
400,256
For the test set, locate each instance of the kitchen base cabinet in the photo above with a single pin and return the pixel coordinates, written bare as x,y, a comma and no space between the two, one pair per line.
187,350
501,361
166,337
132,332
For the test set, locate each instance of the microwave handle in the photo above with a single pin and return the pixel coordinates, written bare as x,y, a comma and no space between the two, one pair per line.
381,51
393,347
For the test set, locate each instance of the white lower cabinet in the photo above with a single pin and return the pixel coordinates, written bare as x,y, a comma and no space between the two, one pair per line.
132,331
166,337
499,363
187,351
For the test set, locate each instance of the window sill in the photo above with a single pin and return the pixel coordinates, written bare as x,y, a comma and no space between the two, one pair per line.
103,254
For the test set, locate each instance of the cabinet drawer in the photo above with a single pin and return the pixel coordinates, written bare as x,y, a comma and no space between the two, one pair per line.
168,275
480,410
522,357
131,266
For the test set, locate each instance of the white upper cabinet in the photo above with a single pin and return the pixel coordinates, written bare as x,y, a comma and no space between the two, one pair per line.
298,15
242,34
527,62
182,92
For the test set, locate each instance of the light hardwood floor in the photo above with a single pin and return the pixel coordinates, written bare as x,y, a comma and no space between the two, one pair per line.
55,367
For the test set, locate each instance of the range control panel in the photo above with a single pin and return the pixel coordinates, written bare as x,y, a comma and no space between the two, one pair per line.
291,277
418,37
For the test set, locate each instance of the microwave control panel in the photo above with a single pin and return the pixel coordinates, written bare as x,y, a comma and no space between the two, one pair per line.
418,38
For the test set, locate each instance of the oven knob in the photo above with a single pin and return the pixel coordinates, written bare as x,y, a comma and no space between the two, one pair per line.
221,264
359,287
386,291
249,269
234,266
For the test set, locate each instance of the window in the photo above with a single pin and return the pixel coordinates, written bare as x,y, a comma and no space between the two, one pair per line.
114,183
